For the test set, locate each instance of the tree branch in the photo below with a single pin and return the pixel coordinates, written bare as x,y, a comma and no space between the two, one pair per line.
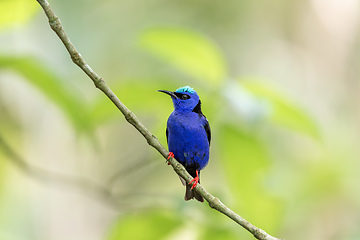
100,83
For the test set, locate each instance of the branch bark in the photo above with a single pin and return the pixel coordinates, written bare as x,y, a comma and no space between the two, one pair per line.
100,83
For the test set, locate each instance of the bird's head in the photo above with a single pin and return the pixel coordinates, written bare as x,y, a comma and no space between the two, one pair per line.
184,99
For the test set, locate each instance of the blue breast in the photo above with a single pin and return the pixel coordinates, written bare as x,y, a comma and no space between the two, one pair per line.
187,139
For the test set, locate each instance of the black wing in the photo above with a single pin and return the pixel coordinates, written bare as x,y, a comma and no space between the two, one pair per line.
167,135
207,129
197,109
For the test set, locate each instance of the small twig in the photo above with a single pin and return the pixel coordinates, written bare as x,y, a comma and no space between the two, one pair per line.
85,185
122,173
100,83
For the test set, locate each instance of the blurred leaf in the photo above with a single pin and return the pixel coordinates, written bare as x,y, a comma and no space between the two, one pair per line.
246,161
16,11
322,179
187,50
51,86
284,111
151,225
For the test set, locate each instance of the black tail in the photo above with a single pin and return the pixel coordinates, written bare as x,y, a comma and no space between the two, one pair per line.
190,194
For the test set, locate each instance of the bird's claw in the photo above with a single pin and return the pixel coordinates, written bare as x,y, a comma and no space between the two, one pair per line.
171,155
194,181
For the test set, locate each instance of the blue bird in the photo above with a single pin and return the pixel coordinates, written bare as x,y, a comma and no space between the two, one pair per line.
188,136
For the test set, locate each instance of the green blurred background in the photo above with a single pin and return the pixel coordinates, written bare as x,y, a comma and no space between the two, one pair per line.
279,83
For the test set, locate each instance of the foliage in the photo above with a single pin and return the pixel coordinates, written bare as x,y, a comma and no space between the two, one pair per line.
271,160
16,12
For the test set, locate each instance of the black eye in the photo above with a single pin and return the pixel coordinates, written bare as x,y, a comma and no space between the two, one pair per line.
185,96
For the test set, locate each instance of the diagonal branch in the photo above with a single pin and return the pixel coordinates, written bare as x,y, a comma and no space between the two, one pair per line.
100,83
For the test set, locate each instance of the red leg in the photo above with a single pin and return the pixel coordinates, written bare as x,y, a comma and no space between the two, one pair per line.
171,155
195,180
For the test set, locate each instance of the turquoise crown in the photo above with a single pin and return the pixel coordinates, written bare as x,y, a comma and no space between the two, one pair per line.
185,89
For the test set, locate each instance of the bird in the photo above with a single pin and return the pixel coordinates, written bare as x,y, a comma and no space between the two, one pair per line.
188,136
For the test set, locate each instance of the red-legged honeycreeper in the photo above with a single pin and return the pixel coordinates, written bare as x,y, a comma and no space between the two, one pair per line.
188,136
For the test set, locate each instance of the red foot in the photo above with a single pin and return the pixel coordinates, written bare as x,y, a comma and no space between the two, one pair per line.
171,155
195,180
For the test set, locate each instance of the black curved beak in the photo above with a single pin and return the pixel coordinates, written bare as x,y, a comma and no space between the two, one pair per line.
172,94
